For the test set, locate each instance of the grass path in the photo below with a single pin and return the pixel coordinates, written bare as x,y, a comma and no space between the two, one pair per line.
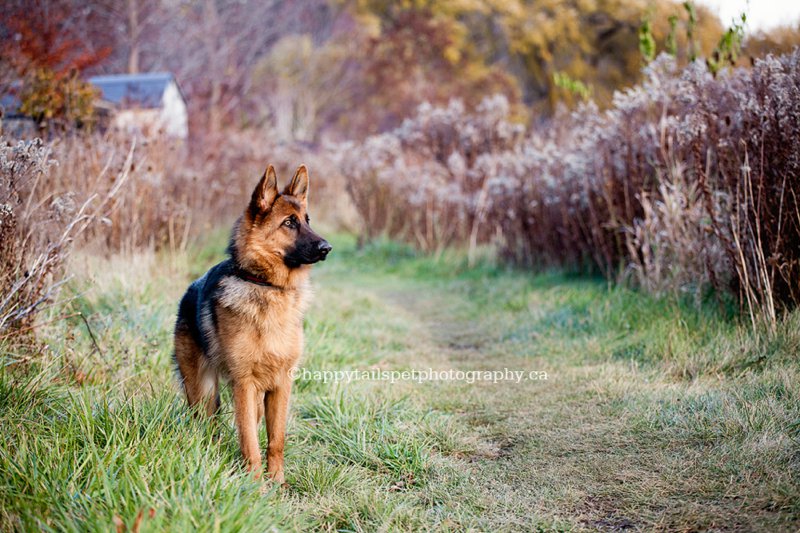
654,415
610,440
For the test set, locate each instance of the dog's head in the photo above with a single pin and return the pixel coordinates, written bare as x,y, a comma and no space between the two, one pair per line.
275,230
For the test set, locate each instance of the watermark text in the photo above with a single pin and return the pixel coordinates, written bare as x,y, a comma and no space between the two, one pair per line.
419,375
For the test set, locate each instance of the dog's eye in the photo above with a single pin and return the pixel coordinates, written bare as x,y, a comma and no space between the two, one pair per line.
289,223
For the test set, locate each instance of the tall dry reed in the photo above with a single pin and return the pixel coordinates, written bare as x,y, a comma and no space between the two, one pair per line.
688,182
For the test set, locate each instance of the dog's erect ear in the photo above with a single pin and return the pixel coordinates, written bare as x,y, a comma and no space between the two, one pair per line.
266,191
298,187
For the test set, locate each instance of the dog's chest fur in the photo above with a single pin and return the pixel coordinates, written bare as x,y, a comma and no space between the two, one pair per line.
260,329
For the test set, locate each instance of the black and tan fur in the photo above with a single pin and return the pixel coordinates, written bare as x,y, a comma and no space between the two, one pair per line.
243,320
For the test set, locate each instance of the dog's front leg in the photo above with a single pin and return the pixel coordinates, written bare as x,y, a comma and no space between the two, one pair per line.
276,406
244,400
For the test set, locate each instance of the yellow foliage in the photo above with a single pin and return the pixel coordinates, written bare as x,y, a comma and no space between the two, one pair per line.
595,42
49,98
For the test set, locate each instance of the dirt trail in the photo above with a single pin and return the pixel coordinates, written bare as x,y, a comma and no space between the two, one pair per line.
540,442
610,441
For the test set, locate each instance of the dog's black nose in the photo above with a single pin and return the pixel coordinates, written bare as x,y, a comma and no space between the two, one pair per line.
324,248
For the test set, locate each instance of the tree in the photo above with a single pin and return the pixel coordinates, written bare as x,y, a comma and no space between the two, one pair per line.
38,34
43,55
213,47
415,52
303,88
780,40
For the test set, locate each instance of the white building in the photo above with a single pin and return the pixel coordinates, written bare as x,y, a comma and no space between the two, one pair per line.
148,104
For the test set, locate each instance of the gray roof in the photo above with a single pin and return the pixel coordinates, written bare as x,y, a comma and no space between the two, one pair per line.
10,101
10,104
142,90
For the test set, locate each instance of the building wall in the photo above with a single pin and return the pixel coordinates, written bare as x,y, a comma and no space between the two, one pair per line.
174,115
171,119
145,122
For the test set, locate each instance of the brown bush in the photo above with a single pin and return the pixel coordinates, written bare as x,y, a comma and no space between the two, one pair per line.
688,181
39,224
114,193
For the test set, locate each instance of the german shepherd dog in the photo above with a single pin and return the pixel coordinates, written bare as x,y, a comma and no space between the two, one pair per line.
243,320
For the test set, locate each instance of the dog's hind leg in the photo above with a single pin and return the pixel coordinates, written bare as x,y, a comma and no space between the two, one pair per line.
200,382
209,390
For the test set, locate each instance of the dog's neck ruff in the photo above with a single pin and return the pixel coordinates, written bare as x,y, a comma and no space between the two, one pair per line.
252,278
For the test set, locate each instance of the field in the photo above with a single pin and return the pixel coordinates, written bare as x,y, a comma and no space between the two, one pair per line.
654,414
564,293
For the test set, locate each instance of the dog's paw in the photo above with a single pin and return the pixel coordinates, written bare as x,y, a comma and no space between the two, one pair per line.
270,485
277,477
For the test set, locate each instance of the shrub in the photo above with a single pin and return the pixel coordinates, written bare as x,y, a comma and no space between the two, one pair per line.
116,194
83,190
423,181
688,182
58,101
37,229
142,212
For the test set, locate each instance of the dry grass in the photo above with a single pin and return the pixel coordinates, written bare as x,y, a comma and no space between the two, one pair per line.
39,223
686,181
655,415
115,194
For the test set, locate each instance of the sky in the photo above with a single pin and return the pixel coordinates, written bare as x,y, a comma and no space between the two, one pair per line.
761,14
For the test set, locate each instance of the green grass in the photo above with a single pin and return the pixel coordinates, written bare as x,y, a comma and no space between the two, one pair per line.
655,414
